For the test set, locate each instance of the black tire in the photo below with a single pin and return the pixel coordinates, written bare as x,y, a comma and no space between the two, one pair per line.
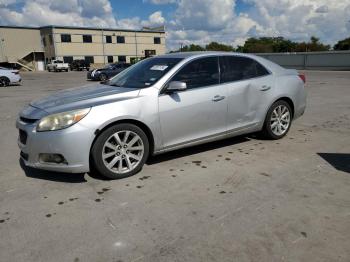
267,131
4,81
103,77
96,151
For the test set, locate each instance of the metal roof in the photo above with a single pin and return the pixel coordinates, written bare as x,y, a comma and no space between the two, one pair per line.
81,28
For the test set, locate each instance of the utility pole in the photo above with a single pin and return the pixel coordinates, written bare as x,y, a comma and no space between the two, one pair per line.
34,62
2,40
136,46
103,48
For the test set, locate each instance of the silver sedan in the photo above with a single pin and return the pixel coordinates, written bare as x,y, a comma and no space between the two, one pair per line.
157,105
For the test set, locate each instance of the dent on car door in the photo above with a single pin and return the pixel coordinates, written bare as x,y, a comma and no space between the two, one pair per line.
197,112
244,79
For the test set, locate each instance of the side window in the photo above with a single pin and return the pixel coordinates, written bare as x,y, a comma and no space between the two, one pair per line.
66,38
87,38
230,69
260,70
156,40
120,39
68,59
108,39
234,68
89,59
199,73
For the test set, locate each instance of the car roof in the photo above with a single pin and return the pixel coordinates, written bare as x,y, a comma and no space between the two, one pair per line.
274,68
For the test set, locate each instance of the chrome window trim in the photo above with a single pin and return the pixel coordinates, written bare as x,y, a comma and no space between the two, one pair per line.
163,88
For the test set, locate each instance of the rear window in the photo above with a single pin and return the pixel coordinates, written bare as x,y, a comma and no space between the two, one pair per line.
235,68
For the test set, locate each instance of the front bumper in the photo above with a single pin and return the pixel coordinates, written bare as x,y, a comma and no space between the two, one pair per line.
16,79
92,75
72,143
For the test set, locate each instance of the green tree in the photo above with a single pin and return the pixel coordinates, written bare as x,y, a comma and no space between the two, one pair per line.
342,44
267,45
313,45
191,48
214,46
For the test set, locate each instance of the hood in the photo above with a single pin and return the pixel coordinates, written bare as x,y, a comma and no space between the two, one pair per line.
85,96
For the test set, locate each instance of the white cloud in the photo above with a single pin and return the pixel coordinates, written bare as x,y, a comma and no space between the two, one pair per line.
300,19
7,2
294,19
160,2
196,21
155,19
204,14
322,9
52,12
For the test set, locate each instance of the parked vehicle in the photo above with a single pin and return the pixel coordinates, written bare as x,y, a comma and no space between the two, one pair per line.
80,65
9,76
157,105
103,74
57,65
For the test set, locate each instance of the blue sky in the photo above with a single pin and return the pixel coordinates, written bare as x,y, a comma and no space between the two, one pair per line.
192,21
130,8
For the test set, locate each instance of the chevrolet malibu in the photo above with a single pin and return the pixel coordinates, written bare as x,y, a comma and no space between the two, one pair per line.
158,105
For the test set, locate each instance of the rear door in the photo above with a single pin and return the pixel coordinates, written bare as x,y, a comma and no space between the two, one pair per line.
249,85
198,112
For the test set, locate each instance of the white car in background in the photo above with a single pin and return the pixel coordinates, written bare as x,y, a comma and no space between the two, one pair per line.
57,65
9,76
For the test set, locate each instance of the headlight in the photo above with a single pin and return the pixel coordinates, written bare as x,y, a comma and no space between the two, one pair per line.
61,120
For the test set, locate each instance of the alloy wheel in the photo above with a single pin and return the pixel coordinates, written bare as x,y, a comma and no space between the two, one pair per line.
122,152
280,120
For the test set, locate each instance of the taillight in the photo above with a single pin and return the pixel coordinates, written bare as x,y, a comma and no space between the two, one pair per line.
302,77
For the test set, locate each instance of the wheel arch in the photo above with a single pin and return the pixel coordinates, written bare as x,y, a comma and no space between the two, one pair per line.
137,123
283,98
289,101
6,78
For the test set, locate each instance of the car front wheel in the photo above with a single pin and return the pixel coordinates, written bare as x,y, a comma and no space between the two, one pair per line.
278,120
120,151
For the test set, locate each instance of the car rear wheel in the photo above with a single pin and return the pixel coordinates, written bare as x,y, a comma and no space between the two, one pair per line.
278,120
120,151
4,81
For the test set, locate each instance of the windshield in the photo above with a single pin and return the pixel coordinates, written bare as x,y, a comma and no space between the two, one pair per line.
109,66
145,73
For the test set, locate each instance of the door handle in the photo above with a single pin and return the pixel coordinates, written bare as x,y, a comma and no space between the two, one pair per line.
218,98
265,88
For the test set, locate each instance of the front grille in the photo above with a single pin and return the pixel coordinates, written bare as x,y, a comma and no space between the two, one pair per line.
23,136
27,120
24,156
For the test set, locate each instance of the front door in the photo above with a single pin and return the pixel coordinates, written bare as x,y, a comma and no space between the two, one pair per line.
198,112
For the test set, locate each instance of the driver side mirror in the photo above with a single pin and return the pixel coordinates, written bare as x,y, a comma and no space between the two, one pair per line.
176,86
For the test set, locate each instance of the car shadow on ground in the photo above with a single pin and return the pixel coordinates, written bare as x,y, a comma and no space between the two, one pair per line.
197,149
80,177
52,176
339,161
